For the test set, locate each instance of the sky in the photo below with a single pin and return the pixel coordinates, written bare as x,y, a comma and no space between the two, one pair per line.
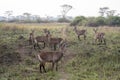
53,7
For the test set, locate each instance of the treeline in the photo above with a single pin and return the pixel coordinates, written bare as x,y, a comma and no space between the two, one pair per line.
33,19
107,17
96,21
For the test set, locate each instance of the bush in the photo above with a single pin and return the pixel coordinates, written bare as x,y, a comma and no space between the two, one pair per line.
79,20
113,21
63,20
96,21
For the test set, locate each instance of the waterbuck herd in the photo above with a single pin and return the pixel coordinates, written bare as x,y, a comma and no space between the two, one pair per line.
55,56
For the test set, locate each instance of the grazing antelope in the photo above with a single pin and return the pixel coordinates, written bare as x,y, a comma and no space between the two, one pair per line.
80,32
99,36
51,56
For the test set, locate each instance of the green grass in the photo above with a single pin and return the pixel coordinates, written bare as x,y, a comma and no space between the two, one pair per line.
84,61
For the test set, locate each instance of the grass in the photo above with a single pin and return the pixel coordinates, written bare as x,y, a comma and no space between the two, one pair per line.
83,60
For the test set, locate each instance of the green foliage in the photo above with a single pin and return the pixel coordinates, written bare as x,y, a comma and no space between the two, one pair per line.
113,21
91,21
79,20
63,20
101,21
96,21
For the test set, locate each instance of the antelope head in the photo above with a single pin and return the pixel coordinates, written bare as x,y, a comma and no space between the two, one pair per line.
95,30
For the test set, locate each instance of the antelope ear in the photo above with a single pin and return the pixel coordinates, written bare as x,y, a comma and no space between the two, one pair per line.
64,47
63,44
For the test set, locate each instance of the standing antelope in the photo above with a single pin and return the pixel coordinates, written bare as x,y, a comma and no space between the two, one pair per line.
42,39
46,31
51,56
36,40
99,36
80,32
31,37
53,41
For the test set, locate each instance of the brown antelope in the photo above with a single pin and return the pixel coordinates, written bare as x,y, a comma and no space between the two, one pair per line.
42,39
99,36
53,41
80,32
36,40
51,56
31,37
46,31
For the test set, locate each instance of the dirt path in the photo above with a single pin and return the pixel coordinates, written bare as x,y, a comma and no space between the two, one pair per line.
64,75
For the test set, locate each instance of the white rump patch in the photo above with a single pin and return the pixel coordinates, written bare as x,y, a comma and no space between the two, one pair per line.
40,59
35,40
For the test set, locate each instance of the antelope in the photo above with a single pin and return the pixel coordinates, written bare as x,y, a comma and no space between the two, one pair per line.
99,36
80,32
46,31
42,39
38,39
53,41
51,56
31,37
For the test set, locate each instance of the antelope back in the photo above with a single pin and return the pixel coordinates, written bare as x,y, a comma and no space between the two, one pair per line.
55,40
41,38
102,35
82,31
46,56
52,56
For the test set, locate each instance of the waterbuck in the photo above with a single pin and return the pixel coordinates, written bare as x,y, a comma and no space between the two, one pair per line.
80,32
99,36
31,37
53,41
51,56
35,40
42,39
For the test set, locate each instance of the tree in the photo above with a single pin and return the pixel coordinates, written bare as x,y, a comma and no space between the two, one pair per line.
37,18
79,20
111,13
91,21
103,10
113,21
118,14
27,16
65,9
8,13
101,21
